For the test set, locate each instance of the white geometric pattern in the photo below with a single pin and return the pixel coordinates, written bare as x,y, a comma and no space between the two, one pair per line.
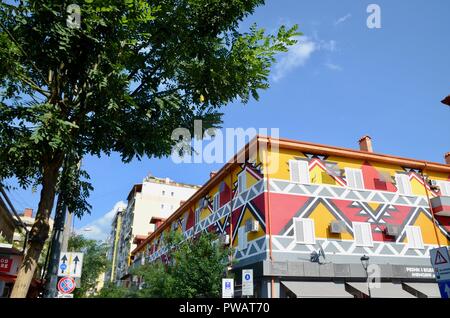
224,211
287,244
338,192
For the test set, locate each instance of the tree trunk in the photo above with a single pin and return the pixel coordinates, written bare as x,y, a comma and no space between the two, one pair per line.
40,229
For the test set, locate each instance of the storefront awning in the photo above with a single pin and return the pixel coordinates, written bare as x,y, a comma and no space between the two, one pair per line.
316,289
423,290
384,290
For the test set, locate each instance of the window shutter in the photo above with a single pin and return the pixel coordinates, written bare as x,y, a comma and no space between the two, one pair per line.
358,234
294,171
197,215
354,178
403,184
363,234
304,231
359,181
299,171
414,236
216,201
298,230
241,182
444,187
242,238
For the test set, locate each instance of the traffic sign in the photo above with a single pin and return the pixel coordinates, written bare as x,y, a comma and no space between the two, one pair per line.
444,288
61,295
440,260
66,285
247,282
227,287
70,264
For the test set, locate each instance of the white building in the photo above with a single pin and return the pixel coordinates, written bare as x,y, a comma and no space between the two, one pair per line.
155,197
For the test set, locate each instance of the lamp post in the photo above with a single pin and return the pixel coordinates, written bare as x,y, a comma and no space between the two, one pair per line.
446,101
365,264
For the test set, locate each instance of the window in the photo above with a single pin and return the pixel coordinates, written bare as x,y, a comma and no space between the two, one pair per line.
299,171
171,193
216,202
163,192
242,180
362,232
242,239
403,184
354,178
414,237
444,186
162,206
198,215
304,231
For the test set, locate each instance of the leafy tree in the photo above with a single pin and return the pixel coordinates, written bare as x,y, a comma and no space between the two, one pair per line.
113,291
94,263
122,82
196,270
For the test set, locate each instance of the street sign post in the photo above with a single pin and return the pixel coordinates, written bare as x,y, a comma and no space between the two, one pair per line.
440,260
66,285
70,264
444,288
227,288
247,282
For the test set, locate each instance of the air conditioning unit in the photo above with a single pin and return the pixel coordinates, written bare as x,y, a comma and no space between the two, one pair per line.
224,239
392,230
337,227
251,226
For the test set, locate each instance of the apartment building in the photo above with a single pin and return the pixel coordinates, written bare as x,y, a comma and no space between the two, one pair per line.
154,197
314,221
113,243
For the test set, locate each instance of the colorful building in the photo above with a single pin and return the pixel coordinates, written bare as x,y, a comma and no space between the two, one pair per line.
304,215
154,197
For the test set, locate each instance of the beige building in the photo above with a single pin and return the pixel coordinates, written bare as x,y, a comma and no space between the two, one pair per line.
28,219
154,197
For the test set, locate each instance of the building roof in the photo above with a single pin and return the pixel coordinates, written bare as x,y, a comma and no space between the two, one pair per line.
170,182
138,238
295,145
156,219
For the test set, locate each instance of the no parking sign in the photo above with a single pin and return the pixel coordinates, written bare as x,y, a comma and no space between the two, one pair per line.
66,285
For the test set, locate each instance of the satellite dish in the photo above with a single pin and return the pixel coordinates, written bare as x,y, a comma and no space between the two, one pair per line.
321,254
318,256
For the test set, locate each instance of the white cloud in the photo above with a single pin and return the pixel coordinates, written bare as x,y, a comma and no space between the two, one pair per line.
100,228
299,54
342,19
333,67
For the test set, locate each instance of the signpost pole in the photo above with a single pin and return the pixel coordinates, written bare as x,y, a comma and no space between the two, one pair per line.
55,250
440,259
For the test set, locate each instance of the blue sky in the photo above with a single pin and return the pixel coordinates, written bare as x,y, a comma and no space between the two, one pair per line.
341,82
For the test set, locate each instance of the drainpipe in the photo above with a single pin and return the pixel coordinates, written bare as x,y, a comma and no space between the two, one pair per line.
430,205
269,228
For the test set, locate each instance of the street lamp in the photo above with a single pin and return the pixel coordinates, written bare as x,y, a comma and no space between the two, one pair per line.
365,264
446,101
